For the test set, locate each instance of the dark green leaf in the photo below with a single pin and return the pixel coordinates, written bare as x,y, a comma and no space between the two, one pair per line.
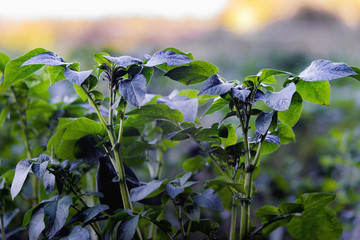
209,199
9,216
100,58
214,85
221,182
194,164
357,71
267,212
195,72
275,225
76,77
263,122
134,90
169,57
21,171
45,58
56,213
13,71
315,224
77,233
292,115
325,70
127,228
139,193
123,61
93,212
81,92
192,212
280,101
316,200
39,168
315,92
36,224
217,106
177,186
188,107
290,208
156,112
3,114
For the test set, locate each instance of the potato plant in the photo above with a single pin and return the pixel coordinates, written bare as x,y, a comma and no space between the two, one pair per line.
126,127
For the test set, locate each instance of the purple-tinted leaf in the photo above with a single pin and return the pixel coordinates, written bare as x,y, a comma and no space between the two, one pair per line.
215,86
209,199
49,181
134,90
280,101
123,61
240,93
36,224
273,139
325,70
76,77
188,107
127,228
263,122
77,232
139,193
47,58
21,171
169,57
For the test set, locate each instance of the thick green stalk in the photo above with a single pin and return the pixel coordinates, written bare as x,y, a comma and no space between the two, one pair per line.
118,164
178,215
233,220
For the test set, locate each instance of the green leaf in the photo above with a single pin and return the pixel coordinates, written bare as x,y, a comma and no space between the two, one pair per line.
92,212
357,71
139,193
56,213
4,59
267,213
275,225
291,116
217,106
231,137
3,114
267,75
209,199
194,164
192,212
325,70
100,58
290,208
156,112
177,186
21,171
195,72
220,181
214,85
14,71
56,73
285,133
315,225
80,91
127,228
316,200
280,101
316,92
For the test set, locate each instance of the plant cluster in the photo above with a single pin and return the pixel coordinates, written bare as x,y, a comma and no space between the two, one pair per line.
128,127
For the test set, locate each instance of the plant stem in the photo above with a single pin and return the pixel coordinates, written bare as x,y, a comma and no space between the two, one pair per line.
24,129
233,220
3,233
178,214
188,230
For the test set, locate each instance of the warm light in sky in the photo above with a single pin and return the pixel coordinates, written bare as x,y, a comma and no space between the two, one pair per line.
91,9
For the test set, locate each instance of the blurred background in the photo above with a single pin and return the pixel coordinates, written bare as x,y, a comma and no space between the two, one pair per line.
240,37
